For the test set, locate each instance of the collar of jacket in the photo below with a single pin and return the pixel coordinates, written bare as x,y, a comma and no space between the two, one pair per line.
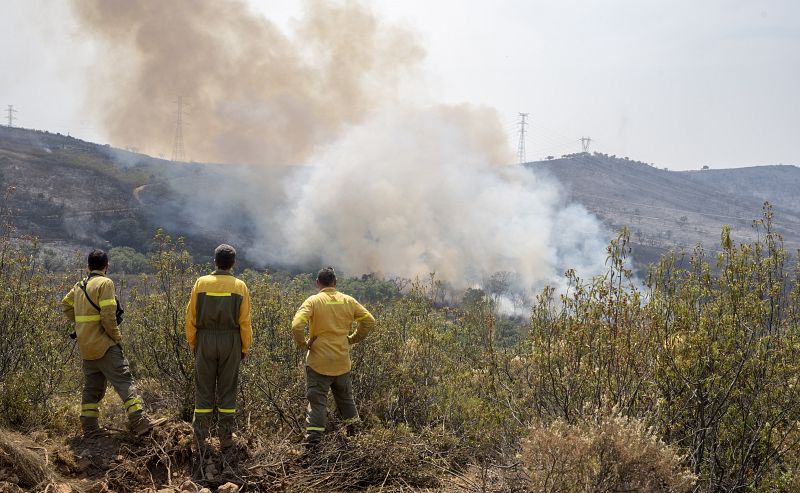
220,272
330,289
97,273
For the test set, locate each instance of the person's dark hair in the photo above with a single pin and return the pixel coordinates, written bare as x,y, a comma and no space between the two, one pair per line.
224,256
326,277
98,260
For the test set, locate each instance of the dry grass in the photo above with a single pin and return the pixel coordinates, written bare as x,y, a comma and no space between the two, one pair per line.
379,459
30,468
611,453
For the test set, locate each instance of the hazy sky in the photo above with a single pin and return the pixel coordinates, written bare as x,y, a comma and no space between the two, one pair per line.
679,83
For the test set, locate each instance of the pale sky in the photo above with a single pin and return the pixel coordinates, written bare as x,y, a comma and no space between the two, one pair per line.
678,83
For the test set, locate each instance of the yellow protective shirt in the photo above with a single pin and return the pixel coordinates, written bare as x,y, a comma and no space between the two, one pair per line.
97,331
219,301
329,316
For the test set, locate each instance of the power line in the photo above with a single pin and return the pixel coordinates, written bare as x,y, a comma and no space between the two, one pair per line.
11,116
521,147
178,151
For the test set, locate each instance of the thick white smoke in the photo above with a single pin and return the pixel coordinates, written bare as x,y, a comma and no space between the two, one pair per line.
399,191
416,191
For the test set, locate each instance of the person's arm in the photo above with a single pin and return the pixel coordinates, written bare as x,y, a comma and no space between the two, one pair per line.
191,319
245,324
68,305
365,320
108,309
301,319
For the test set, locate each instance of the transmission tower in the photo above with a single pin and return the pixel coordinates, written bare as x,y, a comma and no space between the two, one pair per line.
521,147
178,152
11,116
585,141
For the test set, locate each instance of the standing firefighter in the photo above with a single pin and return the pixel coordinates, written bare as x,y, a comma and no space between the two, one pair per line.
329,315
91,304
219,334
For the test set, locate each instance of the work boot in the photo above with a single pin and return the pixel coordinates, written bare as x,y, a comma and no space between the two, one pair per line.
140,424
312,440
226,441
89,425
353,426
201,425
225,427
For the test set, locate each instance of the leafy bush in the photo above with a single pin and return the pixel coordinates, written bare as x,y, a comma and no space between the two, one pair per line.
705,352
127,260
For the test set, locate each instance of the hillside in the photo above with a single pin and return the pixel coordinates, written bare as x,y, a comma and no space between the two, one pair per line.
133,194
72,194
679,209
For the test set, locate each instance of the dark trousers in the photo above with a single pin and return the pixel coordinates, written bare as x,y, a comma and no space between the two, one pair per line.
317,386
111,368
217,358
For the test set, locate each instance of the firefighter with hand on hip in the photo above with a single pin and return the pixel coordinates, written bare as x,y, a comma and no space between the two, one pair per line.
329,316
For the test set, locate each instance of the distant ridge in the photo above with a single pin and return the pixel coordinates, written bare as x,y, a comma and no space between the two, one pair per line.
678,209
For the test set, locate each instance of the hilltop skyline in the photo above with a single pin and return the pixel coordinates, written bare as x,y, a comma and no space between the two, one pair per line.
681,87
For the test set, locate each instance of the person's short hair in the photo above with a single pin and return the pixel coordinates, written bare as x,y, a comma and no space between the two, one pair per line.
224,256
98,260
327,277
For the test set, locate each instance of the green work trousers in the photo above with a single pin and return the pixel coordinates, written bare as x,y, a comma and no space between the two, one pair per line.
217,358
317,386
111,368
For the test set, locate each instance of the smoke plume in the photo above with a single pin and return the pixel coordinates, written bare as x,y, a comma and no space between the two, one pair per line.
255,94
415,191
388,188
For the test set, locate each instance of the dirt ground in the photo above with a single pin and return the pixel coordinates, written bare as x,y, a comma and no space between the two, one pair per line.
168,461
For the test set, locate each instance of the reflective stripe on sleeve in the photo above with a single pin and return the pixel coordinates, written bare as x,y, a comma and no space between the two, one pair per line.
87,318
362,317
315,428
202,411
112,301
226,411
218,294
69,301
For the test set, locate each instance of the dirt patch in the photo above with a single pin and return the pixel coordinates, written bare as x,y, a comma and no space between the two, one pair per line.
169,461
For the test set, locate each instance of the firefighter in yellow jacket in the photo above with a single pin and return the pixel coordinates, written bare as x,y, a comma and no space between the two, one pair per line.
329,316
219,333
91,304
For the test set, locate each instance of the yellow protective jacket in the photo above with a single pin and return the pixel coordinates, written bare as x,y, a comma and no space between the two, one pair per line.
97,331
219,301
329,315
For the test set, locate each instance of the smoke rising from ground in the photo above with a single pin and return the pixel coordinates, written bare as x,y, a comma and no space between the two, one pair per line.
256,95
386,188
415,191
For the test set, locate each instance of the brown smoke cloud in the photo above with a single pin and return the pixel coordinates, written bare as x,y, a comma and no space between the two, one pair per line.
255,94
389,187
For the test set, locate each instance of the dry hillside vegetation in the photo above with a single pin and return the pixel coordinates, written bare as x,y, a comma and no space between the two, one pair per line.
684,381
